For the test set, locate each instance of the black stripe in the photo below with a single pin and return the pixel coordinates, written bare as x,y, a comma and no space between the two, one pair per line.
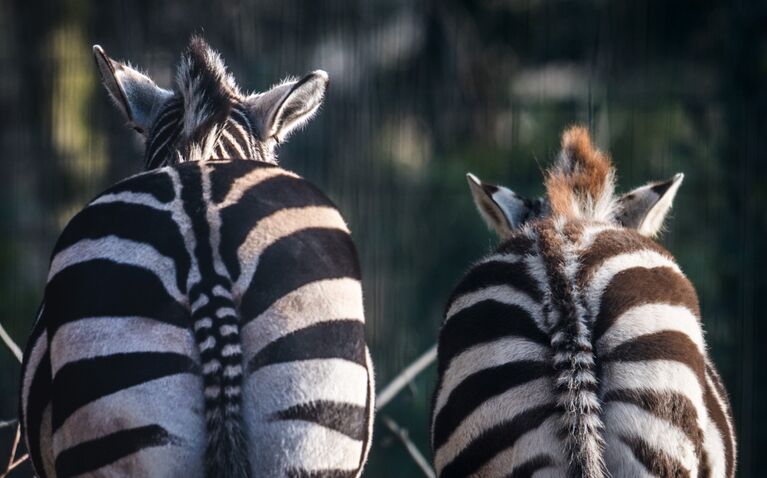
295,260
495,440
156,183
666,345
654,461
526,469
480,387
258,202
134,222
495,273
330,473
484,322
78,383
102,288
223,174
344,339
344,418
94,454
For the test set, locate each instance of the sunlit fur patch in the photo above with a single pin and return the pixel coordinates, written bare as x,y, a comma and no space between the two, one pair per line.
581,184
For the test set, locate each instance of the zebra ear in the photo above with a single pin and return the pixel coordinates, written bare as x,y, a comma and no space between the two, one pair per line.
502,209
137,96
645,208
289,105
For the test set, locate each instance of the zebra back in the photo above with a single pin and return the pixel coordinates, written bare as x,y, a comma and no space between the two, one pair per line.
576,348
114,364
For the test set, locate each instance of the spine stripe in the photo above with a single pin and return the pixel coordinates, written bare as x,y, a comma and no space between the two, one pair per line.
94,454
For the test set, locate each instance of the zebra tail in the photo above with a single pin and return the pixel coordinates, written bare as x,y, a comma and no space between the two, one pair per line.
576,389
217,331
575,384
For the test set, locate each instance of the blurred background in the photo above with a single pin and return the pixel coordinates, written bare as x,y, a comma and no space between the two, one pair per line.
421,92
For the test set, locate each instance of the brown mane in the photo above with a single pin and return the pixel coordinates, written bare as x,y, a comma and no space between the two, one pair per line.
580,184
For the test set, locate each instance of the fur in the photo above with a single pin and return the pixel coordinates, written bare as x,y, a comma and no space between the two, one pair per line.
581,183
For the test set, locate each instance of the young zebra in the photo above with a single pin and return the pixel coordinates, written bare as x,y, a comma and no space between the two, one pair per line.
203,318
576,349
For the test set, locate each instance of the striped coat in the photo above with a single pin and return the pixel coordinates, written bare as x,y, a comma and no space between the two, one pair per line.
576,349
203,318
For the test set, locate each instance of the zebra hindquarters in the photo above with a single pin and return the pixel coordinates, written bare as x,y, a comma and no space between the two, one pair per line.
308,387
126,392
660,406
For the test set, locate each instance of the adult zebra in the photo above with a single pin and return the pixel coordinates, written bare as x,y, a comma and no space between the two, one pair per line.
204,317
575,349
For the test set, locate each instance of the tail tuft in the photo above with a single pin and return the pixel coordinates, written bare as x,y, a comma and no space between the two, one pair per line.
227,448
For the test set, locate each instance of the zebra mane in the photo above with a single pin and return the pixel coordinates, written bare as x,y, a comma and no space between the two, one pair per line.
581,184
205,87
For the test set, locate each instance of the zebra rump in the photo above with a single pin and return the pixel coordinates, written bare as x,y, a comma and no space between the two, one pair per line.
576,349
203,318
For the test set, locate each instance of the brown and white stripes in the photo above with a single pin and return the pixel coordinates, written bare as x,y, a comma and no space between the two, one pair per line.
576,348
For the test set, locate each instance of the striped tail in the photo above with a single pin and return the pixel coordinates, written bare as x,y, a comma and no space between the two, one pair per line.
217,331
575,382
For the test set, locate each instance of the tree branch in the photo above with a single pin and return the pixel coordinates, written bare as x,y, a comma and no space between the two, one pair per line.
405,377
10,343
402,434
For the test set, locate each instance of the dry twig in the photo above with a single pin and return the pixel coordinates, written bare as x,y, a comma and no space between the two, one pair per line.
416,455
405,377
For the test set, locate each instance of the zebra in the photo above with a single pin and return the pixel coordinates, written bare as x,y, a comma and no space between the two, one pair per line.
204,317
575,348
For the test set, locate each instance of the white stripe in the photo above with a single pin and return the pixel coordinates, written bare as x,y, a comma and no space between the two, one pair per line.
275,446
141,199
241,185
103,336
631,421
201,301
713,441
484,356
492,412
307,305
234,143
179,412
230,350
282,385
208,344
650,319
121,251
655,375
225,312
226,330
